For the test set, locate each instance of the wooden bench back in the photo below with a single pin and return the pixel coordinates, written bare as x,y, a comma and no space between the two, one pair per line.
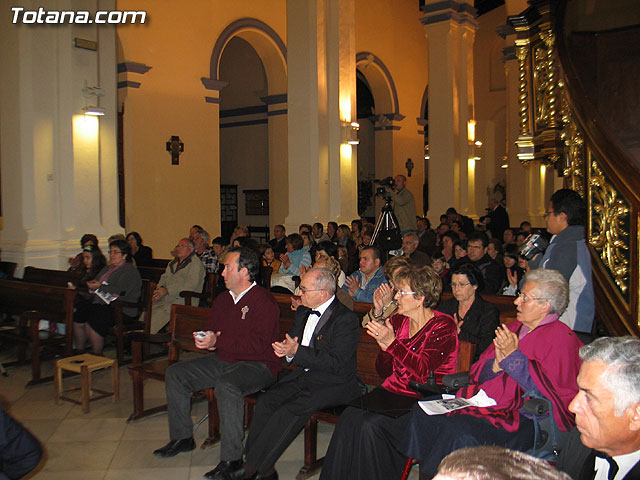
160,262
8,268
58,278
184,321
17,297
152,274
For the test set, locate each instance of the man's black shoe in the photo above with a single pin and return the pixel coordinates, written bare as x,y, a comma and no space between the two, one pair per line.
227,470
175,447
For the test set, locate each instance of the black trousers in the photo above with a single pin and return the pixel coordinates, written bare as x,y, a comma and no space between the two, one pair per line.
283,410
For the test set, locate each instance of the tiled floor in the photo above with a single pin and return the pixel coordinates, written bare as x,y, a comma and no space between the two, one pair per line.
101,445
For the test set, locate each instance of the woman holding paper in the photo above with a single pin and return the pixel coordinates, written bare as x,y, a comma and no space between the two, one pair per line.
414,342
537,353
119,279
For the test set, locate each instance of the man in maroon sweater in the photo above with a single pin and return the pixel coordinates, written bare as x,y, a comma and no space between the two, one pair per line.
244,322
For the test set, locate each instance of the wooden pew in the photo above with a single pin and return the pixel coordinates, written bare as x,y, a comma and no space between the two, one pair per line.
152,274
35,302
184,321
160,262
8,269
57,278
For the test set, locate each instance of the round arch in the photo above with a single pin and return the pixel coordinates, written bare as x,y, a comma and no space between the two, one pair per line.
382,85
267,44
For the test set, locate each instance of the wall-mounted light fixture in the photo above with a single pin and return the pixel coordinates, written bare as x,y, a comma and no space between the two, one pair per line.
349,133
92,106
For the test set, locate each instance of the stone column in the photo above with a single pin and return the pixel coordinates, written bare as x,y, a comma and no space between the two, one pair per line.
321,107
450,30
59,166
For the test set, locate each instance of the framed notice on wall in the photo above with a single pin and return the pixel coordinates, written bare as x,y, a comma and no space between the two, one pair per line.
256,202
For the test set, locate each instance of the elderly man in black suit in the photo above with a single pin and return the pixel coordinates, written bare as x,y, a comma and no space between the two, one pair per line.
606,439
322,346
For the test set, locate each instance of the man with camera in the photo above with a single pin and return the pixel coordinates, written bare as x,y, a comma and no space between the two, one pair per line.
568,253
403,204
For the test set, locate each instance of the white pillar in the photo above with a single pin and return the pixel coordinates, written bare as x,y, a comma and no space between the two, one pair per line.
321,101
59,167
450,31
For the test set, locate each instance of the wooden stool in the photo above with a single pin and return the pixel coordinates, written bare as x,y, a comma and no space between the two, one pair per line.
85,364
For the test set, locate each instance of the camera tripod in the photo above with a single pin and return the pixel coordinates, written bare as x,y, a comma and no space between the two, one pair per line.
387,229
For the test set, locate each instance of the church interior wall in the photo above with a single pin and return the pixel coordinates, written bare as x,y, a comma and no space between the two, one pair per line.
490,106
387,28
164,200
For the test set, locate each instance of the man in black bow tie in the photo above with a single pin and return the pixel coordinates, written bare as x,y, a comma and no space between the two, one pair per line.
606,441
322,346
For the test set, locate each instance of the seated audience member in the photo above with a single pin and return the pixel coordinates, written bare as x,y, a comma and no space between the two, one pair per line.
204,252
307,242
317,230
295,257
367,235
246,242
20,451
456,226
525,356
414,342
460,252
362,283
305,228
219,247
466,222
607,406
77,263
344,240
492,273
343,258
329,249
427,237
508,238
142,255
332,231
447,240
322,347
525,227
243,324
93,262
239,231
356,229
439,264
476,318
489,462
495,250
269,259
332,265
520,238
184,272
291,263
116,236
193,229
444,219
514,274
120,278
279,242
410,242
384,302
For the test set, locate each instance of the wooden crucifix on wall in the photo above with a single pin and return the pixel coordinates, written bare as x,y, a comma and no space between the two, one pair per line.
175,147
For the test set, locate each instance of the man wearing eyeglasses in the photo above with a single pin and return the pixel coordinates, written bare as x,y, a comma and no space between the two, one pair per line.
184,272
568,253
322,347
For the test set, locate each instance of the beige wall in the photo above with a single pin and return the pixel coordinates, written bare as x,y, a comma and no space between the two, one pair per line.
490,106
163,200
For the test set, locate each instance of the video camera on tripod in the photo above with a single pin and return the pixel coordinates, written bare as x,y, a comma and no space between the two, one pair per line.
381,191
387,231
